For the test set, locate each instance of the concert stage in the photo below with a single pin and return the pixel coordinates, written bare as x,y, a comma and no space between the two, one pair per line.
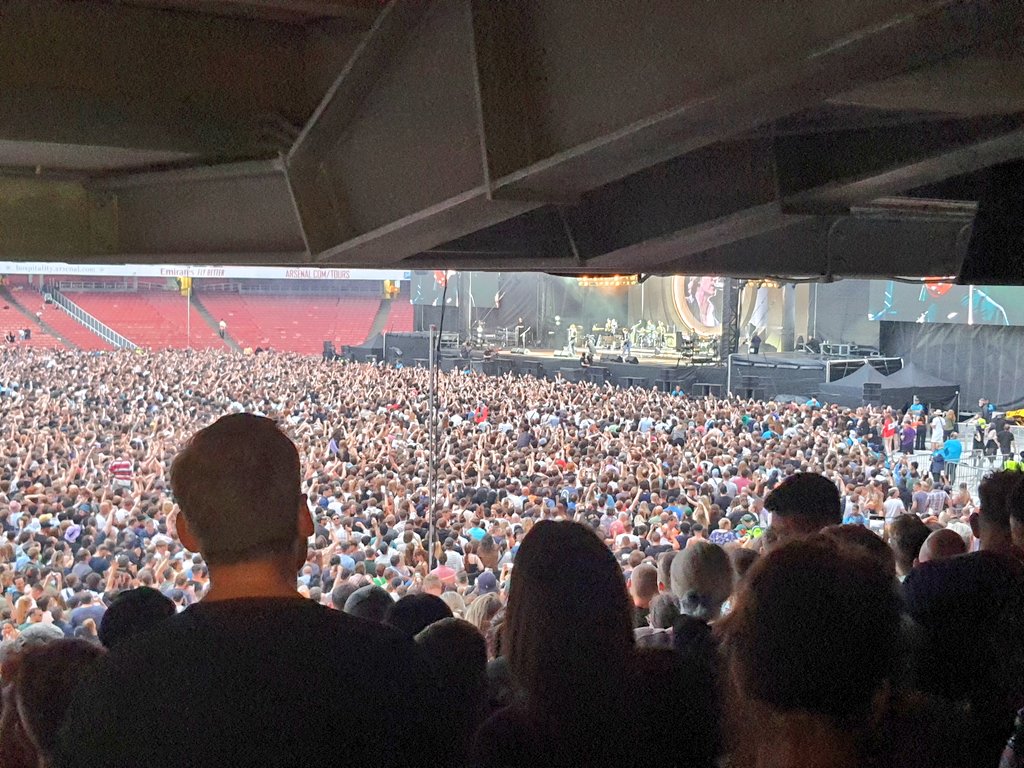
663,373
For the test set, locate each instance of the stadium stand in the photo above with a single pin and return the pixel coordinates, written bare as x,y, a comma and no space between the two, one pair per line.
400,314
152,319
69,329
294,323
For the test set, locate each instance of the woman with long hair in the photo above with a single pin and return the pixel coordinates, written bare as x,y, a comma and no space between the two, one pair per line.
482,610
568,639
22,609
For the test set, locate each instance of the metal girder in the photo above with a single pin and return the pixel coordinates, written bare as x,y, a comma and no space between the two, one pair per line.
54,219
634,83
692,203
827,248
263,259
104,74
455,115
210,212
829,173
390,163
291,11
682,207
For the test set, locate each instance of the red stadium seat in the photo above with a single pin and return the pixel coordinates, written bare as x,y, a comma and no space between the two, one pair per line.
294,323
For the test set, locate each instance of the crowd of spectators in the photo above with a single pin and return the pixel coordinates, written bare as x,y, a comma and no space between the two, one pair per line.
614,576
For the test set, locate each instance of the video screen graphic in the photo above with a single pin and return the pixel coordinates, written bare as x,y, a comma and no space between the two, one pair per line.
942,302
481,288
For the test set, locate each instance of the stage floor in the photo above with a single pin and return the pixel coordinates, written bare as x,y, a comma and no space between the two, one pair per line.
664,373
665,360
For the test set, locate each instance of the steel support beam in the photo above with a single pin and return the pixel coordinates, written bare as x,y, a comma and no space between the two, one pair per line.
46,219
241,208
827,248
639,82
290,11
108,74
456,115
390,163
828,174
762,186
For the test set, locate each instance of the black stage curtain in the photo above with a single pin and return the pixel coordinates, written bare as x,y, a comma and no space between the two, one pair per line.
987,361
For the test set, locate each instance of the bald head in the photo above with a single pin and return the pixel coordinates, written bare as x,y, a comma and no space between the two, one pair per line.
643,584
940,545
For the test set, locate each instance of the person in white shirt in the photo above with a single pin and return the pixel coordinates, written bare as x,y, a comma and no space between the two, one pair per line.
938,436
454,559
893,507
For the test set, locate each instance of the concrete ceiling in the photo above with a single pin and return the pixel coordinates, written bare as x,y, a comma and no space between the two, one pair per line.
784,139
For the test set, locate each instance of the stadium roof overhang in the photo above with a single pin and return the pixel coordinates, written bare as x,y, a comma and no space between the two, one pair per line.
814,140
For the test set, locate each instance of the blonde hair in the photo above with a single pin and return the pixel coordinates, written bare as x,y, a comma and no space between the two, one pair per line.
22,608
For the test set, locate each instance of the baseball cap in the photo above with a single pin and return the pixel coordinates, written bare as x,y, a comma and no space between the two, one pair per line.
486,582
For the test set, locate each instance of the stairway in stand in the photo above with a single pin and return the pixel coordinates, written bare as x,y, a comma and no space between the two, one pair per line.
214,324
44,335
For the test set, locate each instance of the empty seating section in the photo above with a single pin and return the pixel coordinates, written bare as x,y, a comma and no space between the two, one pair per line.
72,330
293,323
156,319
400,315
153,319
12,320
69,328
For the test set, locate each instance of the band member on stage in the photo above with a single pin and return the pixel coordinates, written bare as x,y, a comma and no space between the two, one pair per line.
700,295
755,343
574,335
613,326
660,334
627,348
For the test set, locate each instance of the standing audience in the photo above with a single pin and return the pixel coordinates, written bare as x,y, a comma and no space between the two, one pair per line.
635,568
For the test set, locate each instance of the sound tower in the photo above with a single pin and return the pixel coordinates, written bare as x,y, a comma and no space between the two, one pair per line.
730,340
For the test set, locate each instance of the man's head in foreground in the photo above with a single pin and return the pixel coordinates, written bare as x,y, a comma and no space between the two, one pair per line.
238,484
803,504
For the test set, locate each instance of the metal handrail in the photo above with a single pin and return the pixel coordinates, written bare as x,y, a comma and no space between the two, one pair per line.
102,330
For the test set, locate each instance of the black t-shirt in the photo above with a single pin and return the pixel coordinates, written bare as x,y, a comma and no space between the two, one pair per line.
1005,440
654,550
736,517
256,682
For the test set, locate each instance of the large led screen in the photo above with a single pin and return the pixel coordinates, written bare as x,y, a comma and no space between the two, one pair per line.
939,302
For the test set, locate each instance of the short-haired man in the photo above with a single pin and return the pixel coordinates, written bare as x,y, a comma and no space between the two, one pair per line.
892,508
263,669
907,534
643,586
803,504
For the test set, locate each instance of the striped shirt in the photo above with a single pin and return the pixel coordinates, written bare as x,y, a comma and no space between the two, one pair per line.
121,469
